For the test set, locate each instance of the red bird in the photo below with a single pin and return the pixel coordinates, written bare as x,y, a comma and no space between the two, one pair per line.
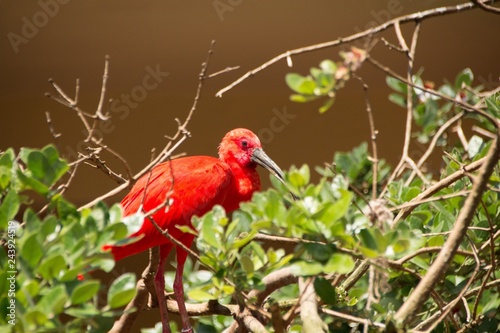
192,186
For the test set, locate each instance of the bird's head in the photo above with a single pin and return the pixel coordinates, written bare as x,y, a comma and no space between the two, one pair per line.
243,147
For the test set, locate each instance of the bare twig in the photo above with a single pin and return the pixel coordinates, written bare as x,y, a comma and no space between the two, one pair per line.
351,318
431,249
405,158
413,203
179,137
98,114
482,4
101,165
373,139
433,143
225,70
52,130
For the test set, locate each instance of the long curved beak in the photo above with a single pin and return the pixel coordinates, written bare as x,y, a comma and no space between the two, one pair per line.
262,159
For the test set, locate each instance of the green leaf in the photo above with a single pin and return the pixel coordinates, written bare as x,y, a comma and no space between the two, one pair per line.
84,311
306,268
8,208
337,210
301,98
294,80
398,99
122,290
52,266
476,144
339,263
32,183
84,291
40,167
465,77
6,163
35,317
199,295
328,66
493,105
247,265
32,250
328,104
395,84
325,290
65,208
53,302
300,84
208,232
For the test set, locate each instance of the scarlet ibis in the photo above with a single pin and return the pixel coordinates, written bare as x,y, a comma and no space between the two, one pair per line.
192,186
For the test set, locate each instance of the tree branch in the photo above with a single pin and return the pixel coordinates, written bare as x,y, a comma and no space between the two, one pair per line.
369,32
139,302
311,321
482,4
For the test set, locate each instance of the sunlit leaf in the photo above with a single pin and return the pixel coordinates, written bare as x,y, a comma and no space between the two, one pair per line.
122,290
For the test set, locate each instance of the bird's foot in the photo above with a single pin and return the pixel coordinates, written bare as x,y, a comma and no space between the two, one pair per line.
187,330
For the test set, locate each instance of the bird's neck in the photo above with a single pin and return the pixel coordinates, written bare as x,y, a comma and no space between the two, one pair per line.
246,182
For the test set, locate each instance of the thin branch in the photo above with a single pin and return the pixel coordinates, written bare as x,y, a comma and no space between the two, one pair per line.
225,70
491,238
369,32
480,293
413,203
373,139
52,130
101,165
431,249
401,39
351,318
482,4
405,158
433,144
98,113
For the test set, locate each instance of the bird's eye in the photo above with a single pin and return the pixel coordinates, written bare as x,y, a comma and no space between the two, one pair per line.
244,143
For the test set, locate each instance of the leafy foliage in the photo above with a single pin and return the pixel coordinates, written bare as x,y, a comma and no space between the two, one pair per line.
326,80
53,249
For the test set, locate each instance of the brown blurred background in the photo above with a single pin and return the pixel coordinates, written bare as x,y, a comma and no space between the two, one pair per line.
66,40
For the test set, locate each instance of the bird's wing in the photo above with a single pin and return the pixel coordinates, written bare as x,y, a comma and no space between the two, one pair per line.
181,188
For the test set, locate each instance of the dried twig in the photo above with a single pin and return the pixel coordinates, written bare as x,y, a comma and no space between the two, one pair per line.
405,157
179,137
482,4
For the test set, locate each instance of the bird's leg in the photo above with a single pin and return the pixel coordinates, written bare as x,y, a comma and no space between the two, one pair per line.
178,285
160,287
